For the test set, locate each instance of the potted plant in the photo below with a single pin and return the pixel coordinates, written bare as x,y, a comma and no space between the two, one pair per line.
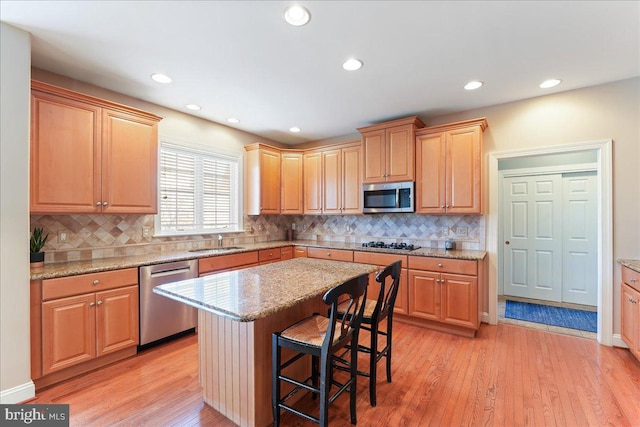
37,242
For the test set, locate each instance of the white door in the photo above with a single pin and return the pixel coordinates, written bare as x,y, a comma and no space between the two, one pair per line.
580,240
533,237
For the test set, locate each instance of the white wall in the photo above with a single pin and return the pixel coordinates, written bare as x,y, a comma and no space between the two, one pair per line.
608,111
15,64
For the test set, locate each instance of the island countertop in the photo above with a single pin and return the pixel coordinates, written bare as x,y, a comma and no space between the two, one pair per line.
257,292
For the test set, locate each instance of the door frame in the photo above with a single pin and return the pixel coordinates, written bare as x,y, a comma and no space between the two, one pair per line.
604,150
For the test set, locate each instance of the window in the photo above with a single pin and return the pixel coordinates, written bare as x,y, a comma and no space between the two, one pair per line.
199,191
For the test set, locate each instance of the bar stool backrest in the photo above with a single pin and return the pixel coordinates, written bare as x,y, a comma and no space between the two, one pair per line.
387,297
354,291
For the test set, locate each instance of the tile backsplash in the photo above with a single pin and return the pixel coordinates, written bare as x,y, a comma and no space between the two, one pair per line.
103,236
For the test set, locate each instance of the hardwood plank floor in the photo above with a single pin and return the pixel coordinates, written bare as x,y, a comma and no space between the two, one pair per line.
506,376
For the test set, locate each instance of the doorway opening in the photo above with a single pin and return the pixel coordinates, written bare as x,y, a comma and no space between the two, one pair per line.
602,155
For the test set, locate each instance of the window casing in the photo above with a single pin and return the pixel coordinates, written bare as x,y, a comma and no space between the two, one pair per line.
198,189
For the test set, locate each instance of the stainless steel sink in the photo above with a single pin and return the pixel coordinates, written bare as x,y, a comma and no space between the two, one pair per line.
227,248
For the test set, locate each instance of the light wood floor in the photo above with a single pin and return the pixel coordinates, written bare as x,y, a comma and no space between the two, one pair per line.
506,376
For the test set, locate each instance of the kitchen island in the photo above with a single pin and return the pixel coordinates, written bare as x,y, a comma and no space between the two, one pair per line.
237,313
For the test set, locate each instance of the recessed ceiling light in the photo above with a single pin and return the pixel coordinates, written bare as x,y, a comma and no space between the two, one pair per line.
297,15
550,83
473,85
161,78
352,64
193,107
233,120
294,129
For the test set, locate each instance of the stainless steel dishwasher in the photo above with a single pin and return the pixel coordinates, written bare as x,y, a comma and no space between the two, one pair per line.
161,317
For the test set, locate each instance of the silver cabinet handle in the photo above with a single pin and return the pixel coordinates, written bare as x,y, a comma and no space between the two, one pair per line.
99,302
442,207
91,304
95,282
633,280
328,254
447,206
104,203
439,265
98,203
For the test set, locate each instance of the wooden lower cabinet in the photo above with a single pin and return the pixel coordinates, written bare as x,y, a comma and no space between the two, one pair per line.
286,253
83,327
444,296
80,323
330,254
300,252
217,264
630,307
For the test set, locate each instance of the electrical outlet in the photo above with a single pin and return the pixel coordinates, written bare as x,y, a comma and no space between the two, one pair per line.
146,231
462,231
445,231
260,227
62,236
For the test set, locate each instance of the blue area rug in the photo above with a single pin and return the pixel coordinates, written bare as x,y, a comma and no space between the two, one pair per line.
556,316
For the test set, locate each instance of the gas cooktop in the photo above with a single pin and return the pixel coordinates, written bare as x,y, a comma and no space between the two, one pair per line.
396,246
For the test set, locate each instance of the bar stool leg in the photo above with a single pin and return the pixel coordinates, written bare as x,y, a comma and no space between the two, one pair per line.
389,341
325,388
373,359
314,375
353,378
275,391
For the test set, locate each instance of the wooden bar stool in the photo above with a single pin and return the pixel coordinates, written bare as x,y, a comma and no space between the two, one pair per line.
321,337
374,313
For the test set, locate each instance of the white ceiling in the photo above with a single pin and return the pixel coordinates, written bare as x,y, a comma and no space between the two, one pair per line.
240,59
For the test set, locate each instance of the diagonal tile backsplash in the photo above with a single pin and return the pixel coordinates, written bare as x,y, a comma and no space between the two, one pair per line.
101,236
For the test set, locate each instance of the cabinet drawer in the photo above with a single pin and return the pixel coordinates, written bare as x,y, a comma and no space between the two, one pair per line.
444,265
267,255
631,278
226,262
333,254
85,283
378,259
286,252
300,252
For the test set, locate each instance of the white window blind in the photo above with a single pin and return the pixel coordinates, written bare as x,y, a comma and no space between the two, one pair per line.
199,192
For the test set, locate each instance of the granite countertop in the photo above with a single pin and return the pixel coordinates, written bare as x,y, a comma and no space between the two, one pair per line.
73,268
257,292
633,264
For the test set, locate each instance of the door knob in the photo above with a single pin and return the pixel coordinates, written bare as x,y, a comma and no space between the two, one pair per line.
506,242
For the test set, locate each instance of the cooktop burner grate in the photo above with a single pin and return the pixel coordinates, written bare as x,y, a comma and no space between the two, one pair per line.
396,246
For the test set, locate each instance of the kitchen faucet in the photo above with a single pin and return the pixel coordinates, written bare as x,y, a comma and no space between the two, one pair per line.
219,240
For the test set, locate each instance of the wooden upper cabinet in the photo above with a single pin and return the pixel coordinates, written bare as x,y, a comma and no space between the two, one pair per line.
449,168
351,180
262,191
65,166
388,150
130,163
332,181
292,183
89,155
312,182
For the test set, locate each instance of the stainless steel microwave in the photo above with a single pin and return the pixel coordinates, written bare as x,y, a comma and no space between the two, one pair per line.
388,197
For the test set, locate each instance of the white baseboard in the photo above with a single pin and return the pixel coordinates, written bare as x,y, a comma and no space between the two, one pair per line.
18,394
617,341
485,317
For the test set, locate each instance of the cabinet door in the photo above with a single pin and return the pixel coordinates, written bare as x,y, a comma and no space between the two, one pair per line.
130,162
399,154
430,173
68,332
286,253
300,252
402,299
291,197
312,183
65,164
630,328
464,171
116,319
269,182
424,295
460,300
331,181
373,156
351,186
